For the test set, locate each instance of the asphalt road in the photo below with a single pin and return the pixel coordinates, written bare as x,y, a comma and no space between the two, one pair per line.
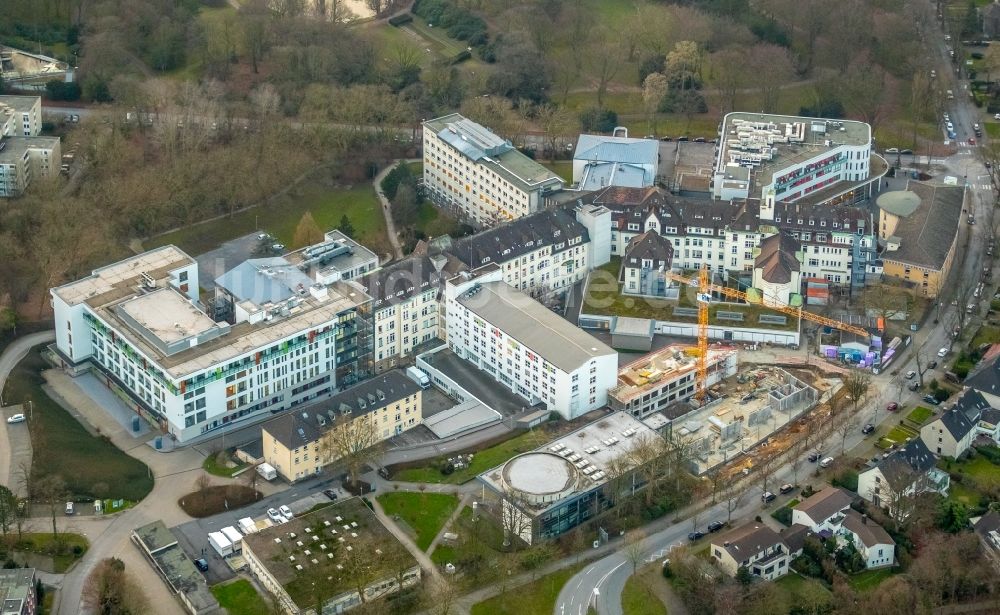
11,356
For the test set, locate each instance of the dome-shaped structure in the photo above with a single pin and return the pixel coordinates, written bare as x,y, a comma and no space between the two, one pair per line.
540,478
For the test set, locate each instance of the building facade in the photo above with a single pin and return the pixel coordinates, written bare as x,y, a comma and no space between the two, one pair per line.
755,547
525,346
17,591
20,116
24,155
377,409
140,323
480,176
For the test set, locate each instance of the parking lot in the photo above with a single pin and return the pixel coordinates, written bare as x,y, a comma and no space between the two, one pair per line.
490,392
193,535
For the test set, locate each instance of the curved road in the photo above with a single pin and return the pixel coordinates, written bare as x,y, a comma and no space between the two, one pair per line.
13,354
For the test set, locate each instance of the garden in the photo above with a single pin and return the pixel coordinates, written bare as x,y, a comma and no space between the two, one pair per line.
51,553
440,471
424,514
240,598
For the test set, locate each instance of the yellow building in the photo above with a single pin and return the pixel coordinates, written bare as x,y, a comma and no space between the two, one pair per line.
918,231
292,442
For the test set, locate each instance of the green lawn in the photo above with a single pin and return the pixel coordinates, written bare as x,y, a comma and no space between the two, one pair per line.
444,554
920,415
91,466
212,466
481,461
869,579
280,217
433,221
425,513
480,537
562,168
992,129
62,553
240,598
900,433
986,334
803,591
535,598
637,599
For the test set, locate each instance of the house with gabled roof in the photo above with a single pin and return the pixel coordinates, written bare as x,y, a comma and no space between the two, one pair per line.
753,546
905,473
952,432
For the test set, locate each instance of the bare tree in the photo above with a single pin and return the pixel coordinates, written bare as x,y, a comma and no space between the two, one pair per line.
516,523
764,468
856,385
847,425
654,88
51,491
8,509
109,590
635,547
356,442
732,494
798,448
605,62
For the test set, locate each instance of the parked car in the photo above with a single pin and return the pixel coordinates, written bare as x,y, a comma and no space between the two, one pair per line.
931,400
913,386
201,564
275,516
695,535
892,406
932,365
330,493
286,512
16,418
826,463
867,429
943,352
715,526
892,150
972,141
910,375
813,457
767,496
278,247
69,508
786,488
906,152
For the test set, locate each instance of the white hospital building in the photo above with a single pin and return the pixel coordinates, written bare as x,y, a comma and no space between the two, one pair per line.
526,347
278,339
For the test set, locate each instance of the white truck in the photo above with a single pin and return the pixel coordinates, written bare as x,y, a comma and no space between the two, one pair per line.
419,376
247,525
267,471
220,543
234,537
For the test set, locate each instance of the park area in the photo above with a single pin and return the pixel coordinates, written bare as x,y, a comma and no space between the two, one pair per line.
89,465
423,514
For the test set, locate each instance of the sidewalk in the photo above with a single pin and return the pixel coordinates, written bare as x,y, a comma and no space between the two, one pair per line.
462,503
421,557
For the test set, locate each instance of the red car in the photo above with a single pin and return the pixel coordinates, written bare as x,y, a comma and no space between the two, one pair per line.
972,141
892,407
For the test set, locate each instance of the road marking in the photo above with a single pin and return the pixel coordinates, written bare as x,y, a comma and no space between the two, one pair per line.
610,572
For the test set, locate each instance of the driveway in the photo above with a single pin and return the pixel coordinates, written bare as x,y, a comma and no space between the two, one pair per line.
11,356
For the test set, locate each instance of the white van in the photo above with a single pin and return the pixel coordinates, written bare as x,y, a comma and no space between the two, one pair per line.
826,463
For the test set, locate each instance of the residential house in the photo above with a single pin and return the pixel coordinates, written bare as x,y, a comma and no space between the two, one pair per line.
293,442
754,546
876,547
987,528
828,513
777,270
952,432
905,473
646,262
823,510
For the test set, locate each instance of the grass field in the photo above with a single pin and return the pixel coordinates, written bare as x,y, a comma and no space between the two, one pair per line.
432,221
638,599
481,461
281,216
70,548
920,415
476,537
562,168
240,598
985,335
424,512
869,579
91,466
536,598
212,466
900,433
801,590
992,129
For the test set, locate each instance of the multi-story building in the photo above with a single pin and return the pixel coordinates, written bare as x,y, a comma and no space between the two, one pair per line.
285,339
951,433
24,155
17,591
795,158
753,546
648,258
543,253
897,479
525,346
20,116
777,271
667,376
918,228
406,306
601,161
479,175
330,560
337,257
546,492
375,410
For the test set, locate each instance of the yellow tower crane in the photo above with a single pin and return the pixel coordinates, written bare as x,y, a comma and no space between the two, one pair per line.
705,290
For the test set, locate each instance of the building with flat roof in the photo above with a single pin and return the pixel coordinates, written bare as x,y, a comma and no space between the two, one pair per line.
340,557
480,176
918,233
17,591
26,159
794,158
522,344
20,116
163,552
552,489
601,161
379,408
667,376
141,324
337,257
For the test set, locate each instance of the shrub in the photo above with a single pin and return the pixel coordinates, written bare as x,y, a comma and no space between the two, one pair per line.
596,119
933,384
399,20
783,515
941,394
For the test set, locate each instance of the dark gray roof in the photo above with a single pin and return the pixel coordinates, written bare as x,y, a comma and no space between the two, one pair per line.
817,218
747,540
408,277
778,258
651,246
990,522
300,426
902,467
549,227
991,416
986,378
867,531
926,235
795,536
962,417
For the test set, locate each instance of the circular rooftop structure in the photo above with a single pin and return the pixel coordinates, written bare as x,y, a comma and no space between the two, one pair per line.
899,202
539,477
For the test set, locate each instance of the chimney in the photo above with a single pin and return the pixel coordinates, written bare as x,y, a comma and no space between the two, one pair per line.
864,519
